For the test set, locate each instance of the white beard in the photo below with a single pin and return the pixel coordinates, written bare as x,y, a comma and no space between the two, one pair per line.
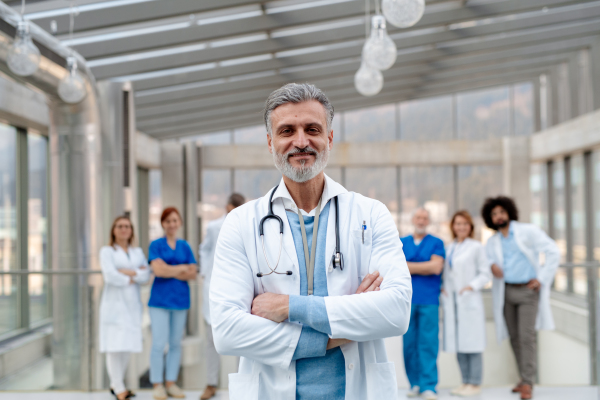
303,173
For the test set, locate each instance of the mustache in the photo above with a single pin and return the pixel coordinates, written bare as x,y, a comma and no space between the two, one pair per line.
298,150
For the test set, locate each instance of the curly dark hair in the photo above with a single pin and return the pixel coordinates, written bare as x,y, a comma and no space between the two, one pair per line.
492,202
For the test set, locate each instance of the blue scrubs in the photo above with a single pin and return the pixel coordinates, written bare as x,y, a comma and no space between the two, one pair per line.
421,341
320,373
170,293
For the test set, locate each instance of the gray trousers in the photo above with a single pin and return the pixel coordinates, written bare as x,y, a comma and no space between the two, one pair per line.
213,360
471,367
520,312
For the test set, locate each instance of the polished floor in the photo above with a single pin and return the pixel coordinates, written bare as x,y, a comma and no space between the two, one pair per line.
541,393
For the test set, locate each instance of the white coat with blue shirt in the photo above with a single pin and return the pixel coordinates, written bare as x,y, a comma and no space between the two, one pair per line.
266,370
532,241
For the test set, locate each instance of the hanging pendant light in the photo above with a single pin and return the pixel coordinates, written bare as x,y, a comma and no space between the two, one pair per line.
23,57
368,81
379,51
403,13
71,88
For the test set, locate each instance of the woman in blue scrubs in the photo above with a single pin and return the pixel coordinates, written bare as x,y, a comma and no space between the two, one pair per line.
173,263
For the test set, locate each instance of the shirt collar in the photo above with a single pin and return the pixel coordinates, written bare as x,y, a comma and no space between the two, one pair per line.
331,189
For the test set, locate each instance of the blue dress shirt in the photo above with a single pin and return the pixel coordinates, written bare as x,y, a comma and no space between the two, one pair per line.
320,373
517,268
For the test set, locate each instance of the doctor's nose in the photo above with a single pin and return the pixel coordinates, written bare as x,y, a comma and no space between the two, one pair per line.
301,139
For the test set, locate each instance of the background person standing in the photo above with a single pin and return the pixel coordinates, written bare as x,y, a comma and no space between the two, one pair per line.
173,263
466,272
425,256
521,286
124,269
207,255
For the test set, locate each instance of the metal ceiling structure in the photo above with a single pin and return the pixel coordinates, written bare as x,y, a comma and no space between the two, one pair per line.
202,66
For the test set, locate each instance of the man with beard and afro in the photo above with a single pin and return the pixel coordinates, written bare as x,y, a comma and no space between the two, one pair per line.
307,296
521,285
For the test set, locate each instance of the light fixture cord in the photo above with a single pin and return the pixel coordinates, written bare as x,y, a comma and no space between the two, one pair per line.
377,11
367,15
23,10
72,21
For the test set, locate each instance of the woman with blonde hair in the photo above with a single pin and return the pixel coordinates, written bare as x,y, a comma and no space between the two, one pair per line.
124,268
466,272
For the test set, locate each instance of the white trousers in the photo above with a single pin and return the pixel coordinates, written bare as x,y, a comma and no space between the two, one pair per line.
213,360
116,365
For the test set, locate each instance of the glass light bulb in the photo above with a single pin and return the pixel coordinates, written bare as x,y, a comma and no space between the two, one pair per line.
71,88
379,51
368,81
23,56
403,13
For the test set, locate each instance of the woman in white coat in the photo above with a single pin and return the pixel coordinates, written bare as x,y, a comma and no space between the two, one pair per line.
466,272
124,268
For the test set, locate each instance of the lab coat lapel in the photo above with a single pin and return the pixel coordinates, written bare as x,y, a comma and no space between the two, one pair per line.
289,248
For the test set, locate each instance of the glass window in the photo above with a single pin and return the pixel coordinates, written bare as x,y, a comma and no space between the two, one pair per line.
538,184
377,124
579,224
559,220
429,187
37,206
251,135
475,184
376,183
334,173
156,206
8,227
215,138
523,109
427,119
483,114
596,202
336,126
216,188
255,183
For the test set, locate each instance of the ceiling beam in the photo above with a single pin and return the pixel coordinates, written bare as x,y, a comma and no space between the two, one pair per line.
218,104
410,77
204,60
393,92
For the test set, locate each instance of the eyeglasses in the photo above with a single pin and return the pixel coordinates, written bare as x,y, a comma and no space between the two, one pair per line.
123,226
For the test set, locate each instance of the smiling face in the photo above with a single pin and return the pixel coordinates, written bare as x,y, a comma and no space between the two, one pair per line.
461,227
300,141
122,230
171,224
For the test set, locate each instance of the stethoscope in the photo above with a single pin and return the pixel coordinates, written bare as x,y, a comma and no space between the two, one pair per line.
337,259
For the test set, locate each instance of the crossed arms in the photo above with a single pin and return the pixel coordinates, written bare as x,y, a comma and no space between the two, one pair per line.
370,315
183,272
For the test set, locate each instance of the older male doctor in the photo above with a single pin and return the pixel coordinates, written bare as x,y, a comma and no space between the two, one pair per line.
305,325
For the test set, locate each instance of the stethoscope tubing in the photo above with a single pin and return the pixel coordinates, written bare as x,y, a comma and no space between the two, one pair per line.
337,259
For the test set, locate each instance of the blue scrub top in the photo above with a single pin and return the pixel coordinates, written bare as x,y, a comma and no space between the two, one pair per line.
170,293
426,288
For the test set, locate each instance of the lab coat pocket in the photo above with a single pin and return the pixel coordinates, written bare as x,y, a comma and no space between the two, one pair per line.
381,381
362,249
243,386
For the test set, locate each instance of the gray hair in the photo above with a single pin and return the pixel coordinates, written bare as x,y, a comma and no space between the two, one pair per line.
296,93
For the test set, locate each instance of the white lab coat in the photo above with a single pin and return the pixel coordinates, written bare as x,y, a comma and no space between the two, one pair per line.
266,370
121,305
531,241
207,255
464,314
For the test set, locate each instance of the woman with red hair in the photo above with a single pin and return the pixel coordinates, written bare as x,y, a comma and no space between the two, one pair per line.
173,263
